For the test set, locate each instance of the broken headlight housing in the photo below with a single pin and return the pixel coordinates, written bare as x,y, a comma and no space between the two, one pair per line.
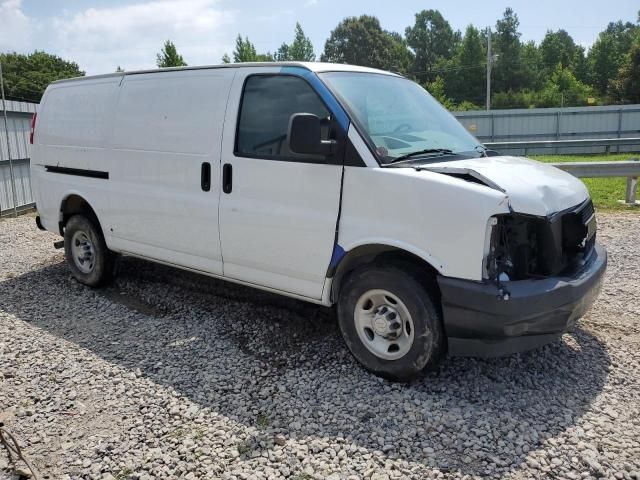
520,246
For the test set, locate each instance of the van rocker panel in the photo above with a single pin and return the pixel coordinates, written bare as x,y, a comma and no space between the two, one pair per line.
479,323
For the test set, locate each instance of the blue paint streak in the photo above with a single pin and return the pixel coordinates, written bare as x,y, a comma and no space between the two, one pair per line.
324,93
338,253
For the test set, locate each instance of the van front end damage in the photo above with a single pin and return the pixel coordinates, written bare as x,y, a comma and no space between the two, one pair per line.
526,246
541,274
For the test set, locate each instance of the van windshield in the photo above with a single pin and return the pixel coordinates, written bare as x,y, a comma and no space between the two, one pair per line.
401,119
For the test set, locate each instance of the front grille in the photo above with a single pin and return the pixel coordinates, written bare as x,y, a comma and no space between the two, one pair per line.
585,211
588,246
575,245
562,241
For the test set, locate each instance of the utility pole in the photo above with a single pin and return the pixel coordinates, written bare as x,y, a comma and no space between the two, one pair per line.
489,62
6,131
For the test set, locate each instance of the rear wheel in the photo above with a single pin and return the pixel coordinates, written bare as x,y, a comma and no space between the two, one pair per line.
88,257
390,321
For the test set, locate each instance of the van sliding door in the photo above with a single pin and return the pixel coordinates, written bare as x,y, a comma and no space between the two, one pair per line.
166,158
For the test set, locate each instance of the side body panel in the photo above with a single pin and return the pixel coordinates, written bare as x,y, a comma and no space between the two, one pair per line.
73,130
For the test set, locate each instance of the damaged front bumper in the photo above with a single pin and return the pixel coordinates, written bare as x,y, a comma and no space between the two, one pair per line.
479,322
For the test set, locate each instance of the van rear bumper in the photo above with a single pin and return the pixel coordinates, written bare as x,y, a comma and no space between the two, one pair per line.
479,323
39,223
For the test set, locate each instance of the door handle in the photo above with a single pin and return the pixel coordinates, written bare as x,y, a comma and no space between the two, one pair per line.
205,176
227,178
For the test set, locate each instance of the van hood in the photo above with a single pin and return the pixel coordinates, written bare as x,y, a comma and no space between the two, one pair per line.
532,187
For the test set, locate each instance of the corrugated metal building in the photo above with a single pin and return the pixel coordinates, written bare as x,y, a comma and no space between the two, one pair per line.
616,121
17,144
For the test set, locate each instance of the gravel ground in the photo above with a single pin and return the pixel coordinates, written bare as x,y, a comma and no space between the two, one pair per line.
172,375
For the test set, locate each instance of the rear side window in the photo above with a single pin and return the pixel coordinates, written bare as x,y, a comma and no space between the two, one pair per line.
268,101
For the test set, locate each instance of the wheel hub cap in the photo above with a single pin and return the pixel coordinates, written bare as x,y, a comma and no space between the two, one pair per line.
384,324
82,252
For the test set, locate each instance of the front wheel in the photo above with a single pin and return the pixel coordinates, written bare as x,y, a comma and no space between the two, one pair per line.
390,321
88,257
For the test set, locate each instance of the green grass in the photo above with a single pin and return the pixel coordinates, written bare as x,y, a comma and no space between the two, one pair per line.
244,446
262,421
123,474
605,192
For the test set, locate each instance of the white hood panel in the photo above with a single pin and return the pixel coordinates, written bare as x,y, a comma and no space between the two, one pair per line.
533,187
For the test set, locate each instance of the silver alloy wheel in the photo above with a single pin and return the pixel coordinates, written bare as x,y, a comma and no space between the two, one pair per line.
82,252
384,324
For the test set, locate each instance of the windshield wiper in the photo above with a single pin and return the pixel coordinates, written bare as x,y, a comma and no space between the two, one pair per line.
406,156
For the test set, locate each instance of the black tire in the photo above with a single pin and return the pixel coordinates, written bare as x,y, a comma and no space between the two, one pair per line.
427,346
101,269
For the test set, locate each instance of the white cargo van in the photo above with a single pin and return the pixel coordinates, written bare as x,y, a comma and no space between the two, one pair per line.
334,184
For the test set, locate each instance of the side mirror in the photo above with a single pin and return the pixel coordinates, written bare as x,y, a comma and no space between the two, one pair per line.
305,137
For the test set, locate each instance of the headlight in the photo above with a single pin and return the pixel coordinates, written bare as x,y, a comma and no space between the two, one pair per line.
519,246
488,259
511,247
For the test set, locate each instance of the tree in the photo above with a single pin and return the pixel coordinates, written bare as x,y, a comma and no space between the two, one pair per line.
511,99
282,54
264,57
119,69
300,50
437,89
169,57
580,64
623,34
362,41
563,89
465,75
27,76
432,40
607,54
626,88
245,51
602,62
401,57
532,66
507,73
558,48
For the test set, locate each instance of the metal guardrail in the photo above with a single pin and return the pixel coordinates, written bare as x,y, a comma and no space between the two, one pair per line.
587,142
625,168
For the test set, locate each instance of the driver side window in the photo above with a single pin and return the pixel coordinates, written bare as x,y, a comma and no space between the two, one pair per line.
268,102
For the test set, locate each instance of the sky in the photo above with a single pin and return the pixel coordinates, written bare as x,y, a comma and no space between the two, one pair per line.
101,35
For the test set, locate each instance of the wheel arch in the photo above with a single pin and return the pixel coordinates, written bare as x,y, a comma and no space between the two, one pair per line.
75,204
384,254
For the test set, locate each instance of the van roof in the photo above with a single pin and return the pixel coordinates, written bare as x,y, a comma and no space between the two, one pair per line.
312,66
